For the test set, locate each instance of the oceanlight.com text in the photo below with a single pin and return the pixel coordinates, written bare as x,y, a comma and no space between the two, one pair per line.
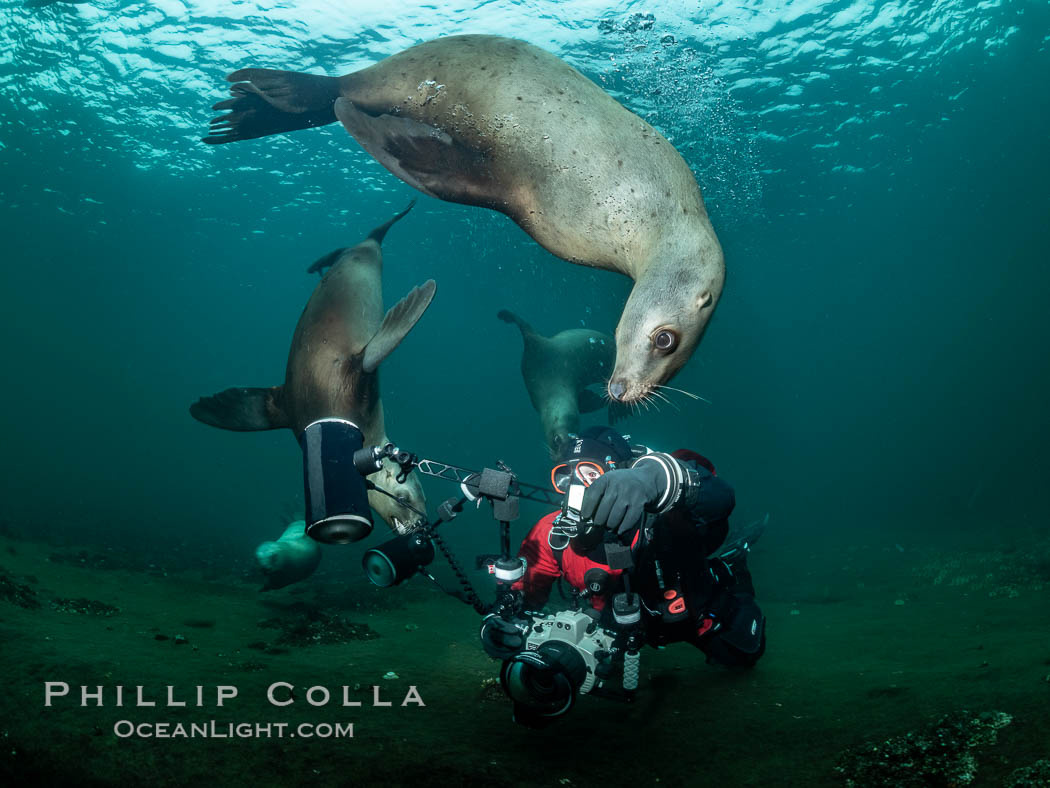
232,730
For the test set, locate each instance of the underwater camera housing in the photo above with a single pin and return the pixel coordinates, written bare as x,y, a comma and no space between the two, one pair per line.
337,510
566,655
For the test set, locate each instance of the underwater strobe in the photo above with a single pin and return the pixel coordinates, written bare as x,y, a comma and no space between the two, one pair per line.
337,510
398,559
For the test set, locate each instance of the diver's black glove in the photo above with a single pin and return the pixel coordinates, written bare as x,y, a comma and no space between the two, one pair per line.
500,638
617,500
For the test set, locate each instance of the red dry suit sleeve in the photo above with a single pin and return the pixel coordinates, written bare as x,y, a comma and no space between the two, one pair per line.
542,568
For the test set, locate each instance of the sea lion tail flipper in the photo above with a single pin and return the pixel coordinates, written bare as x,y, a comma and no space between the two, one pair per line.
396,324
325,262
379,233
589,401
266,101
242,409
509,317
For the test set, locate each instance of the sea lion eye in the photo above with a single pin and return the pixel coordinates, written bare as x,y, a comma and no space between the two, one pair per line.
665,340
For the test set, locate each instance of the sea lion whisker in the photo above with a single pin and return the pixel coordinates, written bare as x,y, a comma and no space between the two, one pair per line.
683,391
671,402
665,398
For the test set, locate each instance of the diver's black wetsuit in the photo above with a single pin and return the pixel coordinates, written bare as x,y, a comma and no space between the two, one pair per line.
686,596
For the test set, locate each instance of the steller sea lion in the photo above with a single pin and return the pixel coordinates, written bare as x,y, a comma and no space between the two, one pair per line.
557,371
291,558
339,342
499,123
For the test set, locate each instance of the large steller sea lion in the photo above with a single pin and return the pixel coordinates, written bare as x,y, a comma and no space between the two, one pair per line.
340,340
499,123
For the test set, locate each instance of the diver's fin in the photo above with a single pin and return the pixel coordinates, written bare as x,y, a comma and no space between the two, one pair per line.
242,409
379,233
589,401
618,412
396,324
327,261
267,101
740,540
509,317
423,156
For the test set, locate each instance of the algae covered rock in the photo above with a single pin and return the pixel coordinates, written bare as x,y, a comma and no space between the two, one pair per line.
1035,776
317,627
941,754
17,593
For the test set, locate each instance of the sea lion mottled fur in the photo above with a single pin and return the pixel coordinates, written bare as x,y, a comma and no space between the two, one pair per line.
499,123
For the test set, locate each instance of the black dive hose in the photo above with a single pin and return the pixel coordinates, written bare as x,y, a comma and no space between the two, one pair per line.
470,596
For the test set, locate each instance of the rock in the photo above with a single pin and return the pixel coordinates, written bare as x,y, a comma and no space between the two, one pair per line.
1035,776
17,593
83,607
941,754
316,627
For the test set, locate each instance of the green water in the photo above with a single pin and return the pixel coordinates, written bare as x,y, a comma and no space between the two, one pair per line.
876,373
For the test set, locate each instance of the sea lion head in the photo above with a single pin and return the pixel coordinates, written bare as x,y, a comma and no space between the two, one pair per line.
275,566
400,518
557,424
662,323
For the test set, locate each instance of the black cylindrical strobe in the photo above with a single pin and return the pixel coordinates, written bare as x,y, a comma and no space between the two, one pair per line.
337,509
398,559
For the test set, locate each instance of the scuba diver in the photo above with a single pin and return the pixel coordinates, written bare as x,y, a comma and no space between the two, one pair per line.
640,541
640,537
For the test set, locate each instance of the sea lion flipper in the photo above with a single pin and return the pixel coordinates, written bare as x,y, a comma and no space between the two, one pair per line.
379,233
396,324
271,102
242,409
509,317
589,401
327,261
425,157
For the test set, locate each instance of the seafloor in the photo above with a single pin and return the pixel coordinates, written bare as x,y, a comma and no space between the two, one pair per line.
866,643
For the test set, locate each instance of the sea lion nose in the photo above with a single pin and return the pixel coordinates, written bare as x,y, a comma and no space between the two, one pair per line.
617,389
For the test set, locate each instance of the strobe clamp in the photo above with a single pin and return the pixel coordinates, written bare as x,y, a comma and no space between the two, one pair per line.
369,460
498,486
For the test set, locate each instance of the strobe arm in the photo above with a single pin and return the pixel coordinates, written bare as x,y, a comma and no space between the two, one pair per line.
474,482
370,459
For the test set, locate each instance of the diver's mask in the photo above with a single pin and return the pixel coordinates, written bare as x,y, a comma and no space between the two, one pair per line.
584,472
